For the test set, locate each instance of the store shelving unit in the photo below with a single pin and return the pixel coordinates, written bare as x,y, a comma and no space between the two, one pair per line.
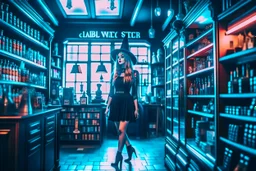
25,38
191,92
236,65
81,124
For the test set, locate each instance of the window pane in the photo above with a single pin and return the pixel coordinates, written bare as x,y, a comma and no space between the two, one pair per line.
143,59
83,49
95,57
83,76
69,76
70,84
72,48
143,51
134,50
83,57
105,86
95,49
105,49
105,57
71,57
96,76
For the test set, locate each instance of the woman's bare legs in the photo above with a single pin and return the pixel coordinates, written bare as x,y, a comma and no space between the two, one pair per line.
127,141
122,134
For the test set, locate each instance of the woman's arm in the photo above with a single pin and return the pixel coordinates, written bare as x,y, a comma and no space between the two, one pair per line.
111,92
135,94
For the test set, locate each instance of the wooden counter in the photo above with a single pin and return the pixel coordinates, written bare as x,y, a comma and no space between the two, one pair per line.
30,142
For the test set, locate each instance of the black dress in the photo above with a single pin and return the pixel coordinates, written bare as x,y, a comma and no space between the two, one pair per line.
122,105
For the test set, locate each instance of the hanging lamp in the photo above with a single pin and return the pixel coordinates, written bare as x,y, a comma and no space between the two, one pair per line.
76,69
69,4
157,10
151,31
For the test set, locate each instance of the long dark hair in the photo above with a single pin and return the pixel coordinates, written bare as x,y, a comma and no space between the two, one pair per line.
128,73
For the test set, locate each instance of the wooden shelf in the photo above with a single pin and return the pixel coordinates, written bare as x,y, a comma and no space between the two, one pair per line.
200,96
239,57
201,52
22,84
55,67
228,12
203,71
177,62
240,95
239,117
57,56
158,63
18,58
244,148
25,8
208,115
22,34
199,37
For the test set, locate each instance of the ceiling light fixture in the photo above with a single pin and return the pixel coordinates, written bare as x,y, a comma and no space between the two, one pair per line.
69,4
151,31
112,5
157,10
170,15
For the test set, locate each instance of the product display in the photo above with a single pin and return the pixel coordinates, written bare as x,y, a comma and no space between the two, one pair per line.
81,123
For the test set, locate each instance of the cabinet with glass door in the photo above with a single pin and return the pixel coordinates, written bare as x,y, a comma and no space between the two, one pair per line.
171,145
237,86
200,86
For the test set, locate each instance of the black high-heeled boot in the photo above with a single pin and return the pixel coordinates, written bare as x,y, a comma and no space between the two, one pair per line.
119,158
130,151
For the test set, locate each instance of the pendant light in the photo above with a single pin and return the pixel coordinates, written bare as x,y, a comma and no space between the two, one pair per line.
151,31
101,67
170,10
157,10
76,69
170,14
69,4
178,23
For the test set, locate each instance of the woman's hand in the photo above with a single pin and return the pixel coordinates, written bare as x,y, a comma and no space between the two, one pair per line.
107,111
136,113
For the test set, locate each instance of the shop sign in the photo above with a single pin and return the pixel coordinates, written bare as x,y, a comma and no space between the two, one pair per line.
109,34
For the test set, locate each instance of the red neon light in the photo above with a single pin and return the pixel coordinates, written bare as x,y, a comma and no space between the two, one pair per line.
242,24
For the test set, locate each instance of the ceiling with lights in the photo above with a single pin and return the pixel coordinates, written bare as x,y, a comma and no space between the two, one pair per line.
91,8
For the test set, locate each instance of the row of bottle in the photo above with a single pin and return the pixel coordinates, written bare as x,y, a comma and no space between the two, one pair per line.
200,63
202,86
194,33
204,108
228,161
12,99
7,16
242,80
90,137
55,73
178,71
242,110
11,72
82,129
18,48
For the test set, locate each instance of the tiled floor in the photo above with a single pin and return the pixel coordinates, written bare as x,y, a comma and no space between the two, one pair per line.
150,156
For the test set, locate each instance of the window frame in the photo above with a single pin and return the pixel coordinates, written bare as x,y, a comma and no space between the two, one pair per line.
113,44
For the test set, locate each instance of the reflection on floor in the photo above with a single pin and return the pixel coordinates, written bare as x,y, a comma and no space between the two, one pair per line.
150,156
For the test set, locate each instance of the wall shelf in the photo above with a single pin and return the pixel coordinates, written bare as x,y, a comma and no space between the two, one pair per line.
22,84
238,117
18,58
23,35
239,146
